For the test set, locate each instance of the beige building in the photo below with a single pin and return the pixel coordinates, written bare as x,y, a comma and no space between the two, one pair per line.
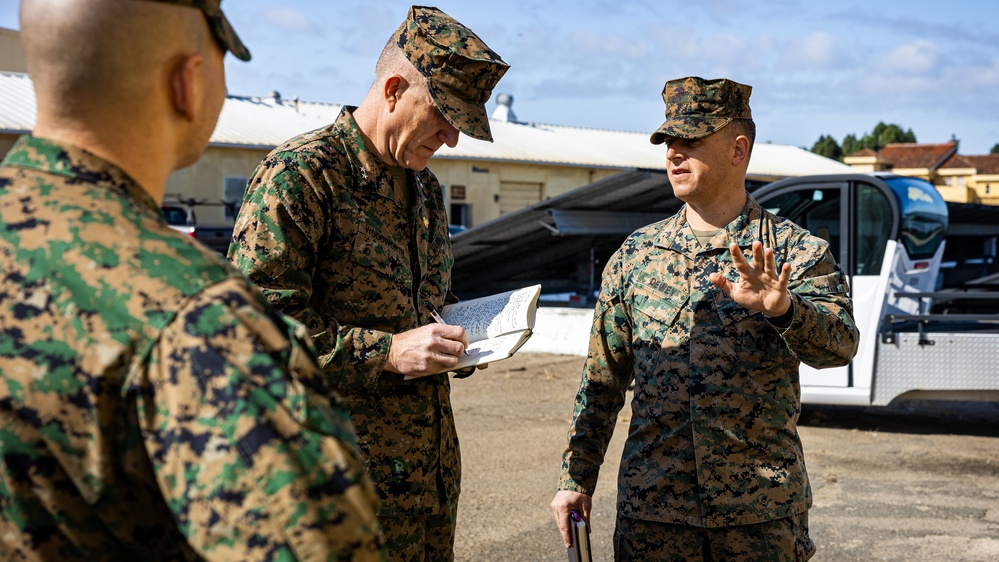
11,54
528,162
958,178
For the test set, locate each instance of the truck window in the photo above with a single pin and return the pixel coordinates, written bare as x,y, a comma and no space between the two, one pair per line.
817,210
174,215
872,228
924,216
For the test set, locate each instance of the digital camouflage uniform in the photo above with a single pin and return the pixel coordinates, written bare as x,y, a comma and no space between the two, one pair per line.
153,406
713,440
322,233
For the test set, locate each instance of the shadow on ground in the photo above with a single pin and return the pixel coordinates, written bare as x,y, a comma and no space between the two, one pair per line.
909,416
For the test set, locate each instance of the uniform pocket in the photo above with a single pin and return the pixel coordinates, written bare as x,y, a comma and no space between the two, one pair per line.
377,252
375,282
654,317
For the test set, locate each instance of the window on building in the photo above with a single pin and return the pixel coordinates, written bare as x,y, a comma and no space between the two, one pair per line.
233,190
461,214
960,182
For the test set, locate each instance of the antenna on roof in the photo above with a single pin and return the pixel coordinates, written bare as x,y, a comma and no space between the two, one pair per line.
504,109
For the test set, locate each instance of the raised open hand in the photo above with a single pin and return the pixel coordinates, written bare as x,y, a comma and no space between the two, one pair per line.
760,286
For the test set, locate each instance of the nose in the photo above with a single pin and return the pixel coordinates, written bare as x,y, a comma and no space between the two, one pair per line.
448,135
672,153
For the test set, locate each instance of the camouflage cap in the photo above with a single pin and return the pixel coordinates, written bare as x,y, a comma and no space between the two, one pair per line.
696,107
461,71
220,25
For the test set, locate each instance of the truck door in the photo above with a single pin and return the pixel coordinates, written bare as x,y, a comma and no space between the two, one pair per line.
858,216
822,208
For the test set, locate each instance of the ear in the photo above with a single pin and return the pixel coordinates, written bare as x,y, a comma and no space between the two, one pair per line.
740,151
186,86
393,88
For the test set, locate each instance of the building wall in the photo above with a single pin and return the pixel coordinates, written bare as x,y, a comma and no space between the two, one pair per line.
11,54
486,185
483,182
204,180
923,173
986,188
864,164
955,194
6,141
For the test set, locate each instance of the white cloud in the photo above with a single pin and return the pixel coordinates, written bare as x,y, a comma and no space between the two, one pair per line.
603,44
913,59
289,19
981,76
819,48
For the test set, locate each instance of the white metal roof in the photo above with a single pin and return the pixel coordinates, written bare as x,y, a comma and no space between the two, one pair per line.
17,103
265,122
579,146
269,121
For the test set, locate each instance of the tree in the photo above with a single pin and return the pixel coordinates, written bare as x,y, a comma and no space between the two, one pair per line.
885,134
995,149
828,147
850,144
882,135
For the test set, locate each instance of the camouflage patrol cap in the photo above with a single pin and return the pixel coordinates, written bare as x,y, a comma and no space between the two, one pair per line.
461,71
696,107
220,25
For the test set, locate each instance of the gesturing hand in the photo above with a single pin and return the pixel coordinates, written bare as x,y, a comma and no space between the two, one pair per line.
760,287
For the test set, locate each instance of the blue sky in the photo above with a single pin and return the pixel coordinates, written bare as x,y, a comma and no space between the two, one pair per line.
816,67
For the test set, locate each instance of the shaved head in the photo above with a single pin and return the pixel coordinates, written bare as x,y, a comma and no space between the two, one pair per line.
104,58
394,61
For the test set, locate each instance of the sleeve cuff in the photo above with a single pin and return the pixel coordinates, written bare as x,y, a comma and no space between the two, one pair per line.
783,321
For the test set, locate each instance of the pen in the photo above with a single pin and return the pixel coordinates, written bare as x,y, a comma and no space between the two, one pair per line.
436,316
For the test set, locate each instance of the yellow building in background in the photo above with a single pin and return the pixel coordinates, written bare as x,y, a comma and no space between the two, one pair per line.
11,54
958,178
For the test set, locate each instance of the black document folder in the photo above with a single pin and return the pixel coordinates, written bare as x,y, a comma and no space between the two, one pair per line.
579,551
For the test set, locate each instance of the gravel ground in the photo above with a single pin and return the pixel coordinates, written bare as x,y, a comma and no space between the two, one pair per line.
915,481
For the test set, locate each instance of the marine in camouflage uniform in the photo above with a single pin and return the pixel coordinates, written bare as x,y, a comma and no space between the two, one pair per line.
351,238
153,405
713,465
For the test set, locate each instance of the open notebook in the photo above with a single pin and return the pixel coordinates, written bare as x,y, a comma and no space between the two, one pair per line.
497,325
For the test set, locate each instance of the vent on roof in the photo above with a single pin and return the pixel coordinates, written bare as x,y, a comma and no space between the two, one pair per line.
504,109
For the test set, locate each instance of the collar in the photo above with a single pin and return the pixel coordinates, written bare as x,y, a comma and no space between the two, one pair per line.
374,174
371,170
77,164
750,225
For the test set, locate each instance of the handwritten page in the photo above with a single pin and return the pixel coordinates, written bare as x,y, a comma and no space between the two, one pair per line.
492,316
494,349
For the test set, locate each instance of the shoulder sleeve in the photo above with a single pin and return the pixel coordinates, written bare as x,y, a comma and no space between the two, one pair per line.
607,372
276,236
253,454
822,332
277,242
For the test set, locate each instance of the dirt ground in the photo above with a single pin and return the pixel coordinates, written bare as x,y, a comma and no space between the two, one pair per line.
915,481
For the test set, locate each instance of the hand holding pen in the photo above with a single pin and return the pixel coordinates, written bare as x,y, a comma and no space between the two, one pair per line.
425,350
436,315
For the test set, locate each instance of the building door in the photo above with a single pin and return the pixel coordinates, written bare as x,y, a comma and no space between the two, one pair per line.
516,195
461,214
